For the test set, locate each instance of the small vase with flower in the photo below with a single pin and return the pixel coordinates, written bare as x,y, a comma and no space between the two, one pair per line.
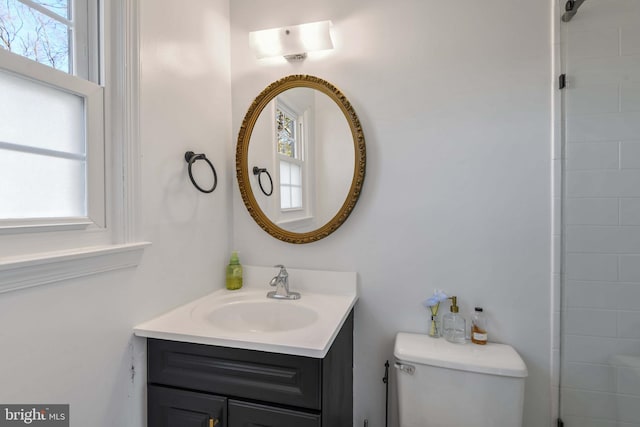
432,304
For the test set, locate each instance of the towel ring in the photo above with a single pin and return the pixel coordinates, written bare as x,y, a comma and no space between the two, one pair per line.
191,158
259,171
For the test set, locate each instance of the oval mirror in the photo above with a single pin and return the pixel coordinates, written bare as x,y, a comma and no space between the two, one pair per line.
300,159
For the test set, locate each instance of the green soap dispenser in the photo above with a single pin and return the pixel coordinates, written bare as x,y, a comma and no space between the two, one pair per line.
234,272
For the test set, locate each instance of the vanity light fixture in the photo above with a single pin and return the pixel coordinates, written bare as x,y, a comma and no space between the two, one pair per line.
291,42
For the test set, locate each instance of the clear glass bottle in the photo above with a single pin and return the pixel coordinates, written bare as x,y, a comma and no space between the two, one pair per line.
454,326
479,327
234,273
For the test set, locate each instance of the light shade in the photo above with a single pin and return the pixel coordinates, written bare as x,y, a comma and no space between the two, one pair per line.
291,42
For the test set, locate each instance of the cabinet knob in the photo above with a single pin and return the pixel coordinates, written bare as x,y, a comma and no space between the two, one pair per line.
213,422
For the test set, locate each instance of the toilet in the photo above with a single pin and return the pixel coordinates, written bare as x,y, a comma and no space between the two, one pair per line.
441,384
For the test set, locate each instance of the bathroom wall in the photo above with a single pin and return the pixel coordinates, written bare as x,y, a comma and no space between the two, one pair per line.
601,298
71,342
455,103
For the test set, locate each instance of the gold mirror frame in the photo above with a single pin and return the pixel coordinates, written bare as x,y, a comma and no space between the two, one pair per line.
242,156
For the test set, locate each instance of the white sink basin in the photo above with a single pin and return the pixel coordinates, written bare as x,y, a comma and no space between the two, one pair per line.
246,318
261,316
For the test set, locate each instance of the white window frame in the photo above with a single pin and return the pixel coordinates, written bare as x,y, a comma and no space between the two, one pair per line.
93,96
296,218
299,155
38,252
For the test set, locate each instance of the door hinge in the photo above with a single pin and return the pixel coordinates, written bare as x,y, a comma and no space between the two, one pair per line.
562,81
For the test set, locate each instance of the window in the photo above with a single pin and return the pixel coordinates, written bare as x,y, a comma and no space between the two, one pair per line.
293,153
290,147
68,145
51,135
62,34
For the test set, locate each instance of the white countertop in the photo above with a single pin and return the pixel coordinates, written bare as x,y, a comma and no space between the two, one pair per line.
219,318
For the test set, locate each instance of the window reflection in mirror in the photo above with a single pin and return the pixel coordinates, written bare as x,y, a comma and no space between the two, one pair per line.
290,146
312,157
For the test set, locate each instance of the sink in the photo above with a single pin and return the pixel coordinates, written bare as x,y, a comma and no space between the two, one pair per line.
246,318
261,316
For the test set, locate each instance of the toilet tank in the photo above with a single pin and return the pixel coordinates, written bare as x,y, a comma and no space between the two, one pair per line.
442,384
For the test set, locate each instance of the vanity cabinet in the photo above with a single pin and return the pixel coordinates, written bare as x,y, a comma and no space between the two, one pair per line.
205,385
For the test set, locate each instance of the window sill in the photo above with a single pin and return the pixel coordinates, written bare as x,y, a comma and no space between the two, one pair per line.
41,269
296,224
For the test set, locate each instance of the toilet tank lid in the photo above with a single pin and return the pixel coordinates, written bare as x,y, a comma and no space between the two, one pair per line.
492,358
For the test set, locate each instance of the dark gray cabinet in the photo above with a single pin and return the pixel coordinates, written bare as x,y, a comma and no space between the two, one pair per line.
247,414
202,385
170,407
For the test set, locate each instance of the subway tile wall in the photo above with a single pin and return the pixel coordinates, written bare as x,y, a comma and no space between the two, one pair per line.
600,335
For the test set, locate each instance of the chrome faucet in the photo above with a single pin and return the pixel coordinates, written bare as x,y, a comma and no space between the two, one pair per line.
281,282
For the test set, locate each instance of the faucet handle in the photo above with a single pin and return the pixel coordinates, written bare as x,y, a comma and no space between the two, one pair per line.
283,270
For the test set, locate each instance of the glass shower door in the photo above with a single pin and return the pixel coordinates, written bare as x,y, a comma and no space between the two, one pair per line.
600,303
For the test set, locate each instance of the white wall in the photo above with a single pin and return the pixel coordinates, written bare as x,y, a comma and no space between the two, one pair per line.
71,342
454,99
334,158
602,218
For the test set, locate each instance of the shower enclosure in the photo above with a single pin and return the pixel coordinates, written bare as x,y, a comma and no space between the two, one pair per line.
598,214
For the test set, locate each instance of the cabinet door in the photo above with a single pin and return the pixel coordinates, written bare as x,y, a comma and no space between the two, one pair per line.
245,414
169,407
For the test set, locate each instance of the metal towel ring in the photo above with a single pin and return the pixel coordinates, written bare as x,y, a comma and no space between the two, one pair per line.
259,171
191,158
